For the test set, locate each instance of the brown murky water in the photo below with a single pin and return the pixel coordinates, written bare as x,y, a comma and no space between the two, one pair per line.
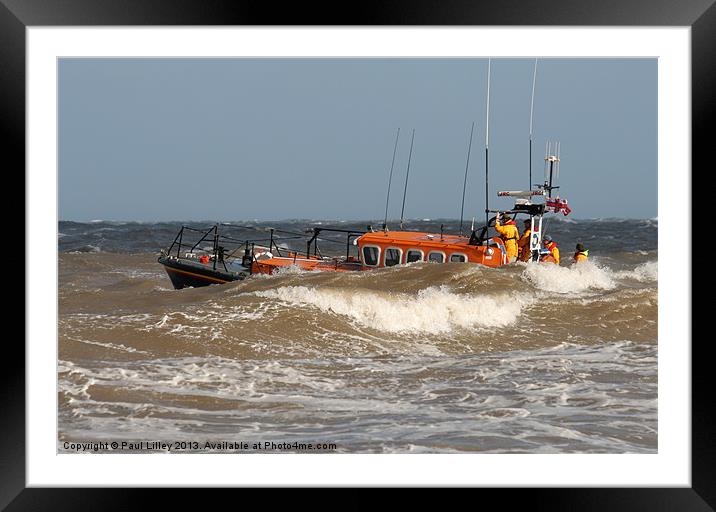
420,358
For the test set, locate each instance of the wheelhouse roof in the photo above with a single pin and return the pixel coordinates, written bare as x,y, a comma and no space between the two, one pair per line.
414,239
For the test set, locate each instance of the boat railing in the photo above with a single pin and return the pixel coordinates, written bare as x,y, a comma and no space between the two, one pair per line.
225,248
220,251
351,234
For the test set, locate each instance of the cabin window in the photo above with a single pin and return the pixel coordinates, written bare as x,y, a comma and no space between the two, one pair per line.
392,256
436,257
370,255
458,258
414,255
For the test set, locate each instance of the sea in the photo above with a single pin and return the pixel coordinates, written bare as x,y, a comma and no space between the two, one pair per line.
419,358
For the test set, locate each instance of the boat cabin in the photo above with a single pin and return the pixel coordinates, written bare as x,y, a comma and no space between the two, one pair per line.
389,248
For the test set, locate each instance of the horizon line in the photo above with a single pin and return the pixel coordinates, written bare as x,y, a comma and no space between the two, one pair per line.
309,219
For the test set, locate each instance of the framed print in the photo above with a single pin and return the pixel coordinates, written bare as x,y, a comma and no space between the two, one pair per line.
121,161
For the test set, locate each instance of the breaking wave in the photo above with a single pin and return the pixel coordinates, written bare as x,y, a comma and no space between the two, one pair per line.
646,272
432,310
576,278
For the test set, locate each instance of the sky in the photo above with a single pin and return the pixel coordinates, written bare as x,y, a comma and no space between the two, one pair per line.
271,139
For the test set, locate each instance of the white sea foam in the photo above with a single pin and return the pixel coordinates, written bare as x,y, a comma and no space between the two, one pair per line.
567,398
432,310
86,248
282,271
575,278
643,273
114,346
289,269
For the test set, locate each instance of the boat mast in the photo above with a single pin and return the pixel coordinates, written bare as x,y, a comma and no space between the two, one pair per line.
390,178
487,141
532,106
464,184
407,174
536,236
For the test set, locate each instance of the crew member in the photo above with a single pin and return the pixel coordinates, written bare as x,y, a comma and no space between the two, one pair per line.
524,242
581,254
551,246
509,234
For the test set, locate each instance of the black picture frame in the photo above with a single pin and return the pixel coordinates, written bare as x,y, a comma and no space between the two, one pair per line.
17,15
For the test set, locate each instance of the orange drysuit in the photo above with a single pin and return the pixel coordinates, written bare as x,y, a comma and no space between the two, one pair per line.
554,250
509,235
524,246
581,256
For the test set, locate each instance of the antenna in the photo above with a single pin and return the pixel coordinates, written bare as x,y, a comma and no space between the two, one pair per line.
487,141
556,167
390,178
405,190
547,146
532,106
464,183
551,166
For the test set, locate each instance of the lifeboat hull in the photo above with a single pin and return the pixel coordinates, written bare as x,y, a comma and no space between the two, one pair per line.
189,274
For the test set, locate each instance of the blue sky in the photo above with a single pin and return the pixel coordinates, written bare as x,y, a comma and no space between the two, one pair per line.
270,139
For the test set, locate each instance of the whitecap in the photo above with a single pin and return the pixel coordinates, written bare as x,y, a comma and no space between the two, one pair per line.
576,278
643,273
431,310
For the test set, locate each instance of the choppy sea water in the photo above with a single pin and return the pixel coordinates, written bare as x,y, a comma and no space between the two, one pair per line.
423,358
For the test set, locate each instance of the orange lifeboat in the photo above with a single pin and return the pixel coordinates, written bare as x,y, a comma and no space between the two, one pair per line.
380,249
389,248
